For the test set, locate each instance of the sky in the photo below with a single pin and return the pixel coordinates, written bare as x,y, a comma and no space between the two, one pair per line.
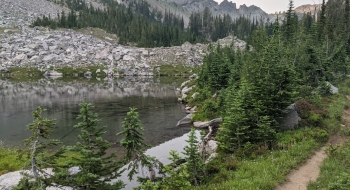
271,6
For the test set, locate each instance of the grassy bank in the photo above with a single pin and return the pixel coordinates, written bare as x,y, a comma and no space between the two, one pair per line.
10,159
257,168
13,159
335,170
174,70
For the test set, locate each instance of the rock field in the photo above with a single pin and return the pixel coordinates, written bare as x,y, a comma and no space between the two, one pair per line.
23,46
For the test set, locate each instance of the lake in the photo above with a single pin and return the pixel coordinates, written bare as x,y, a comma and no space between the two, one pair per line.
155,100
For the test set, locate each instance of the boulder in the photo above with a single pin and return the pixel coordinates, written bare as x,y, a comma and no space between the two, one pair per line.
185,122
33,46
194,76
211,157
211,146
203,125
45,46
334,90
51,57
128,58
194,95
4,69
102,54
117,56
35,58
291,118
52,73
187,46
10,180
186,90
184,83
87,74
74,170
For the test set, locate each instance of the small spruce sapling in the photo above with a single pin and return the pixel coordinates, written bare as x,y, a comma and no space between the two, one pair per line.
134,143
97,167
195,164
176,176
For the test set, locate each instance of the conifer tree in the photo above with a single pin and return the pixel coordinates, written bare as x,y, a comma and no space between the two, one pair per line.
176,176
97,168
236,126
133,143
195,164
40,141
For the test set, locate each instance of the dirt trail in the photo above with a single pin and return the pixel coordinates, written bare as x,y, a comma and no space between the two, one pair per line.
299,178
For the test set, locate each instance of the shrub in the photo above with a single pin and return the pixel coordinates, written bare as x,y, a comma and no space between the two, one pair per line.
312,115
209,108
320,135
303,108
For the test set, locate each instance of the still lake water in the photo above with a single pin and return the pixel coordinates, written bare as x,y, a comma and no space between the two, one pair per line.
156,103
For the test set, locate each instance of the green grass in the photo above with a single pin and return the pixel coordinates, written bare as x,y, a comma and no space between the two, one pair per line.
10,160
12,30
100,34
20,74
25,71
174,70
80,70
176,81
333,168
335,109
267,170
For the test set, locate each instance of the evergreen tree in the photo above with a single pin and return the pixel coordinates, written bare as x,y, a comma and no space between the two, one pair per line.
236,127
97,168
176,176
195,164
40,142
133,143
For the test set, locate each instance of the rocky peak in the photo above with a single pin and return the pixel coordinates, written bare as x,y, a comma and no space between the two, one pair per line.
225,7
308,8
228,6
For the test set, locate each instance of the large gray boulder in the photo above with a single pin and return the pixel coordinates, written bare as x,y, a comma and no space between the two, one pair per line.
334,90
10,180
185,122
203,125
211,146
291,119
51,57
102,54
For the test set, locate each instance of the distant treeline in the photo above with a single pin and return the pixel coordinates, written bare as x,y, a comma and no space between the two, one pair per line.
136,22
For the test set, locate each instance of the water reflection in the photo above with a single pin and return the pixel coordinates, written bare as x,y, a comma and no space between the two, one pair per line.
156,103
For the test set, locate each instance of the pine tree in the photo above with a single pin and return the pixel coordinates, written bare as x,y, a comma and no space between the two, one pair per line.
236,127
40,142
177,176
97,167
194,162
133,143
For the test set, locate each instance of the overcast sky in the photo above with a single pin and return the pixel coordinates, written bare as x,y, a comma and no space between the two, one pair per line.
271,6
